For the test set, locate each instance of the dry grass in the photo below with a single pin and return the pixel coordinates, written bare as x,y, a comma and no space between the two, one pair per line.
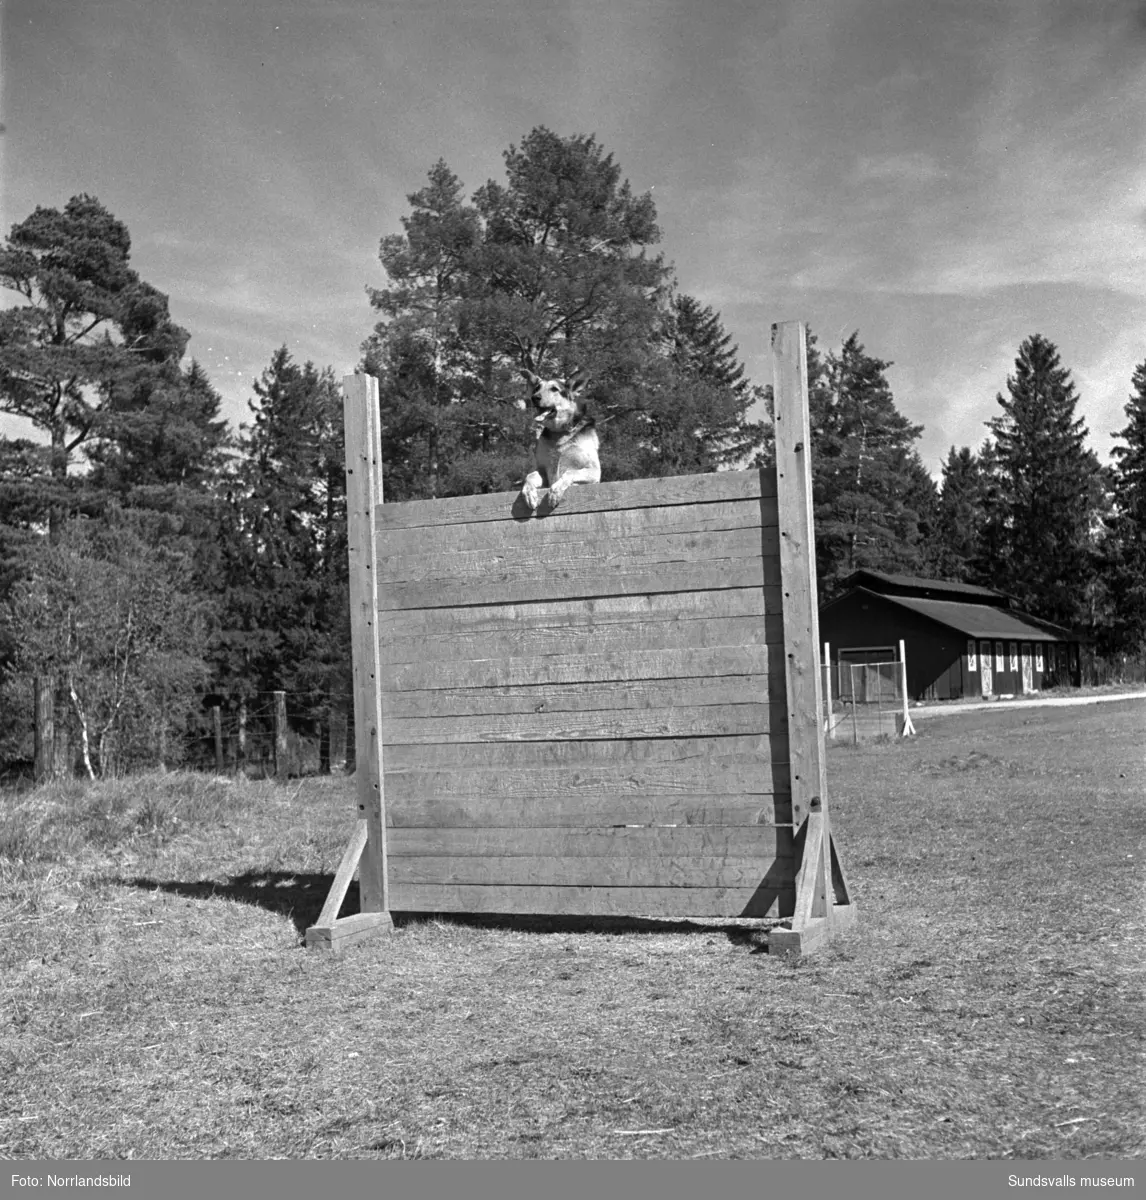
155,1001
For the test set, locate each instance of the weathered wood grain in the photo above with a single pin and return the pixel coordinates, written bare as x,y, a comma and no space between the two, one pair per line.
549,773
740,842
363,496
588,696
767,900
586,668
586,529
635,493
591,612
714,720
623,566
594,808
608,639
797,556
572,632
586,871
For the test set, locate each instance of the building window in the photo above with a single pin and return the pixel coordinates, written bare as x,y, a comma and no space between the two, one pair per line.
1039,657
1014,656
972,657
999,663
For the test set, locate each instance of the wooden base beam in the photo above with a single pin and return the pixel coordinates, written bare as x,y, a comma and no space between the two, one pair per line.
334,933
823,903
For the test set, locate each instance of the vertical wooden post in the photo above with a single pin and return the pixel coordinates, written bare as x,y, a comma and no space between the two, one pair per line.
905,726
45,733
217,721
829,721
367,848
241,750
361,420
798,569
822,900
279,720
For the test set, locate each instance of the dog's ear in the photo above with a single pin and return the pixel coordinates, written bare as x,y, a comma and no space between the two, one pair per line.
577,382
532,379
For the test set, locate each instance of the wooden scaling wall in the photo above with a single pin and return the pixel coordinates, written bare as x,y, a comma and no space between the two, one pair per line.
608,709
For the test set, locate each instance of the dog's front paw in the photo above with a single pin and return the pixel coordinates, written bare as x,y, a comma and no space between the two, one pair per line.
556,493
531,496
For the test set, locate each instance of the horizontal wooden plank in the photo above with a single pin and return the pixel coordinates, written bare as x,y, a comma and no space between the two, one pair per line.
666,902
587,696
723,720
629,754
547,642
591,810
633,493
740,842
551,773
592,612
586,528
551,669
621,566
587,871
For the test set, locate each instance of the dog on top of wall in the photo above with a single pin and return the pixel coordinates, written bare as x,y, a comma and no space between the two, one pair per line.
567,445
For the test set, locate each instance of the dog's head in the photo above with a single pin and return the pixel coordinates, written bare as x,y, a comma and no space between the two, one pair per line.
556,405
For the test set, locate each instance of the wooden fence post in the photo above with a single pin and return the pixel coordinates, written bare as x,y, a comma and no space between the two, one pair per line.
279,719
241,749
217,721
45,734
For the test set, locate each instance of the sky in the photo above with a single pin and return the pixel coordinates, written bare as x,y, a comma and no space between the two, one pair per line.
946,178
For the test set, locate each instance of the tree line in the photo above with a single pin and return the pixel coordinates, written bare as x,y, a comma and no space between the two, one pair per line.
151,557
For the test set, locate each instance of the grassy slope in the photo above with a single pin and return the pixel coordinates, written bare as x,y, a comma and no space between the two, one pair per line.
155,1003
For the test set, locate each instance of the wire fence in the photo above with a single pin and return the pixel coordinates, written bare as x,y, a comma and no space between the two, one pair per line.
863,701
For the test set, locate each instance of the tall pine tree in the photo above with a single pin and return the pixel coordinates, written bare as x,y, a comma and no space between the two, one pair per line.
90,329
550,271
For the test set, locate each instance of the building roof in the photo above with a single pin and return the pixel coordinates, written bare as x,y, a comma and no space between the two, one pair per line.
979,620
892,585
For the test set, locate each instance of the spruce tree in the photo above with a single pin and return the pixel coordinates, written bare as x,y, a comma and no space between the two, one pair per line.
960,516
709,384
285,623
1048,490
867,478
1125,559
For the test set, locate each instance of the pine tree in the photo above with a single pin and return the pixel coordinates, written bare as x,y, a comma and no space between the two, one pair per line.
91,329
1048,490
550,271
867,477
1125,558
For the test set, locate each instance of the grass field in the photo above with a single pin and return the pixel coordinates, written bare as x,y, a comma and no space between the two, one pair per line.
155,1002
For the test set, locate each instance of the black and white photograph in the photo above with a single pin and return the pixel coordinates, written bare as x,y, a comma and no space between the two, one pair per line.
573,589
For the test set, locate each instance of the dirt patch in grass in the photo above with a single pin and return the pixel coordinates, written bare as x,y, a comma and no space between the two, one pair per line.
155,1001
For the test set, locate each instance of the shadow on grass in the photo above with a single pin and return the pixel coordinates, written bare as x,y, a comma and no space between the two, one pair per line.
300,898
290,894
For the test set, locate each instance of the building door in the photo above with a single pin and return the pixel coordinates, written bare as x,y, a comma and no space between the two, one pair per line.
985,666
1028,677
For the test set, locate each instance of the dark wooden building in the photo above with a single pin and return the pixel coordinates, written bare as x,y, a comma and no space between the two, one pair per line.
960,640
